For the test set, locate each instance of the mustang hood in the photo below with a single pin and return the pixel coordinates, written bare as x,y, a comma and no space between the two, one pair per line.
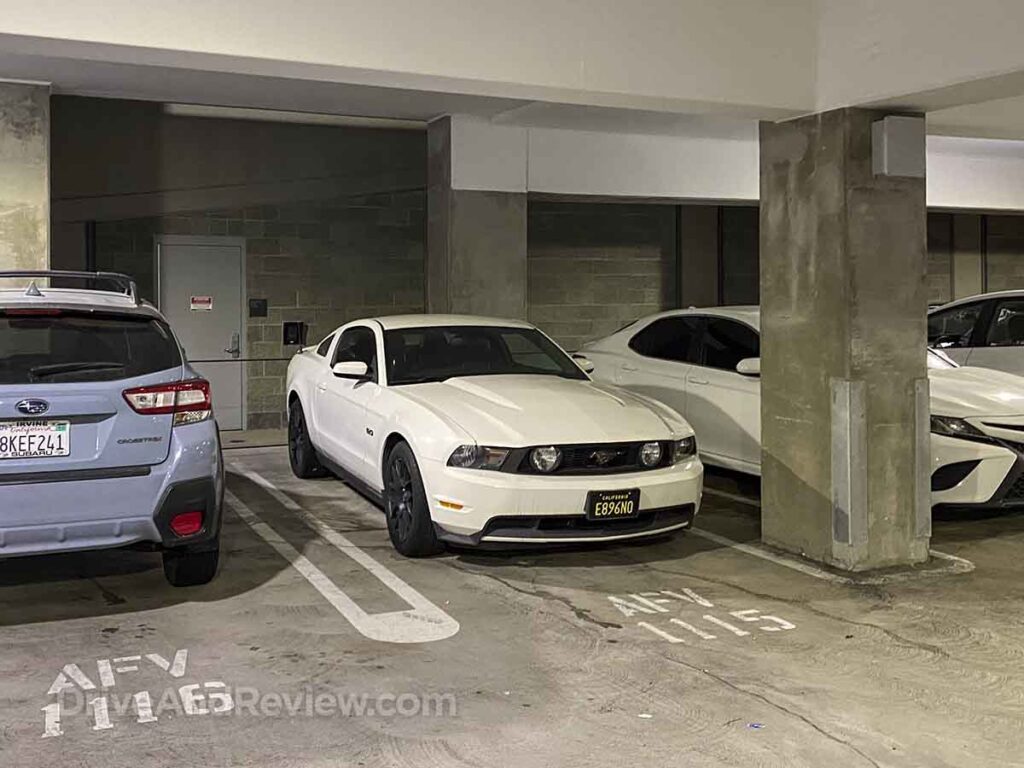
969,392
519,411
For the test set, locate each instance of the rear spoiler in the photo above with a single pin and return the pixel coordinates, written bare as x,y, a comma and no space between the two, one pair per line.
123,284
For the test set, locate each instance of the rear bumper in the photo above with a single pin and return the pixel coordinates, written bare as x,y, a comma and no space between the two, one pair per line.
49,513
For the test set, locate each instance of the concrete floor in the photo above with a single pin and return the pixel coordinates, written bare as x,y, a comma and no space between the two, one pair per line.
550,666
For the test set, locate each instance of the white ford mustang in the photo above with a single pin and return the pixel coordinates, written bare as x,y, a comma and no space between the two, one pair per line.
705,364
474,431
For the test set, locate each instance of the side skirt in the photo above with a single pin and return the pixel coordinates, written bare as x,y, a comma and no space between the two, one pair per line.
360,486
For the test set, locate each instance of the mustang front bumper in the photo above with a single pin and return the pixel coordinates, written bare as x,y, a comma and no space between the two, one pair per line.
472,506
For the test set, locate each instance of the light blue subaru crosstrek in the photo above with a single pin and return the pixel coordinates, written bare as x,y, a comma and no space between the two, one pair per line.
107,435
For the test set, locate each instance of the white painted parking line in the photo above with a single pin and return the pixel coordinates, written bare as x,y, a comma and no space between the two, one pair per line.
424,623
956,565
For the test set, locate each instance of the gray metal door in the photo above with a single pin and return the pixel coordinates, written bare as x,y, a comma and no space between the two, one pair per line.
201,283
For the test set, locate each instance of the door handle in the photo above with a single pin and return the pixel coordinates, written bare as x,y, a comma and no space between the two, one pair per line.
628,367
321,387
235,349
699,381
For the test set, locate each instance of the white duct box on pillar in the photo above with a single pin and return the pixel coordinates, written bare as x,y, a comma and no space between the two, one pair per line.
898,147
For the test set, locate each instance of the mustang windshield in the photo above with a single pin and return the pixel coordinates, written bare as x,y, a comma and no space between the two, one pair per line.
416,355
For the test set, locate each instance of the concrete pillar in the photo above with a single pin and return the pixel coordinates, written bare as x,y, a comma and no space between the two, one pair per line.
476,237
968,255
844,383
24,176
699,268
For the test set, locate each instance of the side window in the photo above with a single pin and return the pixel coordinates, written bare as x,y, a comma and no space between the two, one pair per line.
726,342
325,346
1007,328
953,328
671,338
357,344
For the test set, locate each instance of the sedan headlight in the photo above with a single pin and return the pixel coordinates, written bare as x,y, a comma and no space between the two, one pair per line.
953,427
477,457
546,459
684,449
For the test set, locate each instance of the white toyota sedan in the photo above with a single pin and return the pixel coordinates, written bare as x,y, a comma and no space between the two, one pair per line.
477,431
705,364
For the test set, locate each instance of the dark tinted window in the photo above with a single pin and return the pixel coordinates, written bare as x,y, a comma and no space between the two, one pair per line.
325,346
438,353
358,344
726,342
1007,328
671,338
71,346
953,328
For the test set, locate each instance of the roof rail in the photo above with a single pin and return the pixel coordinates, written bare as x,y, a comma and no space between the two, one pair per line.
125,283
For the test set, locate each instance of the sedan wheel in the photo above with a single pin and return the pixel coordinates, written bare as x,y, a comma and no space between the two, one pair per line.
405,504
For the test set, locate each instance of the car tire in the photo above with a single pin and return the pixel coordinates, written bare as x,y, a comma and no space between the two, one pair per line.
190,568
405,505
301,454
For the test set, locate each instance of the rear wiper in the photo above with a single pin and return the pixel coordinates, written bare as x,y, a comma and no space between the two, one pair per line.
58,368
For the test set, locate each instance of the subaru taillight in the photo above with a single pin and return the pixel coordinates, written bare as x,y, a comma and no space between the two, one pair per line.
189,401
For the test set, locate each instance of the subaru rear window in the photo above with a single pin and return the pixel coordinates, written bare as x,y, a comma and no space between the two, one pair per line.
38,346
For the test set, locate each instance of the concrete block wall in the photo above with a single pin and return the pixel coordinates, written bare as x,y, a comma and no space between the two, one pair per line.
1004,252
320,262
940,258
594,267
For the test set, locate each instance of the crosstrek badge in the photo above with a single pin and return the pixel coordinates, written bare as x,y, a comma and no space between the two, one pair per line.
201,303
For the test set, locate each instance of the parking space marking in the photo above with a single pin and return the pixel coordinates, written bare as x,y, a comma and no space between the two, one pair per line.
424,623
653,603
957,565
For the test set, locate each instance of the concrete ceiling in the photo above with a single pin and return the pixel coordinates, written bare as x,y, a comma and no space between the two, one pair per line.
998,119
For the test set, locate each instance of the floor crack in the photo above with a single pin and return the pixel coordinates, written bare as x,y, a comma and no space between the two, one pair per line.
775,705
582,614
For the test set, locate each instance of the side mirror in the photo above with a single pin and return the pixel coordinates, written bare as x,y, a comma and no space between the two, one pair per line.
584,363
351,369
751,366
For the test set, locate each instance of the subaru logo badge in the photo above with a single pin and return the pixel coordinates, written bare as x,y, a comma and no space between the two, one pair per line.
33,407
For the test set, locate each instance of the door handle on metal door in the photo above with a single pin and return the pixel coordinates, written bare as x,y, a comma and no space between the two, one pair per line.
628,367
699,381
235,349
321,387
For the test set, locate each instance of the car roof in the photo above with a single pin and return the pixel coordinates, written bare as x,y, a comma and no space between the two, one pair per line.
979,297
73,298
747,313
399,322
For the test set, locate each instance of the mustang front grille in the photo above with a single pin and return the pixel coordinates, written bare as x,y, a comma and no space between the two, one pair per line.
590,459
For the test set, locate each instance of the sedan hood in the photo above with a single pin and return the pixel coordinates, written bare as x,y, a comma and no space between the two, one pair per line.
970,392
518,411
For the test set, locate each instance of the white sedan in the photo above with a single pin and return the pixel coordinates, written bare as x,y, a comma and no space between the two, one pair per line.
984,331
705,363
479,431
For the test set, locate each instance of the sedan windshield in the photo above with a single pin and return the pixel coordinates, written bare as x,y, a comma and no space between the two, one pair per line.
416,355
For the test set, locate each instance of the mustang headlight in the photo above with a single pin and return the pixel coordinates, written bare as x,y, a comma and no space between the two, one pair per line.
953,427
684,449
477,457
546,459
650,455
